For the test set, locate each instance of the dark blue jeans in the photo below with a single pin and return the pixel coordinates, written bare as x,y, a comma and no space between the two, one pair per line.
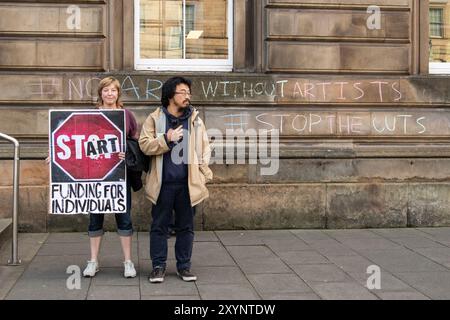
123,221
173,197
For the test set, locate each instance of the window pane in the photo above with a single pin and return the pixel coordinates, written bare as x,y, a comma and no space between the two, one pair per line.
161,29
439,31
162,23
208,37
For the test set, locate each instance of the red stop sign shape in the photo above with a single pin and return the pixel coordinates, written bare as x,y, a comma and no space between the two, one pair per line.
86,146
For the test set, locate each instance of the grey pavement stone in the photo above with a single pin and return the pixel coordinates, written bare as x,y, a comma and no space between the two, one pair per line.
64,237
239,238
8,277
113,293
400,233
208,236
336,251
219,275
47,289
352,234
49,267
321,273
303,257
278,283
267,264
326,243
401,295
402,260
388,282
248,252
417,242
351,263
35,238
61,249
263,265
227,292
290,296
286,245
370,244
114,277
274,234
311,235
29,244
342,291
441,231
439,255
435,285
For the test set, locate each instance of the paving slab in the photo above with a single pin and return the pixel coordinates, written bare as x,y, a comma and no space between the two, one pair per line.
435,285
290,296
249,252
311,235
439,255
400,233
342,291
402,260
47,289
114,277
417,242
227,292
352,234
388,282
351,263
239,238
263,265
321,273
303,257
242,265
278,284
220,275
370,244
113,293
401,295
286,245
211,254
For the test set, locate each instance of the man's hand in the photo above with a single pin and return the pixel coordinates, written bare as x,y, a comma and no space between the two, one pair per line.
175,135
122,155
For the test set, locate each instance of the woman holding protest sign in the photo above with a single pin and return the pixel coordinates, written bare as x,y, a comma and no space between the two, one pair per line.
109,93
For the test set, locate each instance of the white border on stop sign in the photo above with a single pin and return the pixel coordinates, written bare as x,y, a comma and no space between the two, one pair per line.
51,149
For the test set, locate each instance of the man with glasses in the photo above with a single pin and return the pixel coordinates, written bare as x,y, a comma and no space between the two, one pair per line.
175,137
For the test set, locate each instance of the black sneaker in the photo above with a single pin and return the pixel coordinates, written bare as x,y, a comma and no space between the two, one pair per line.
157,275
186,275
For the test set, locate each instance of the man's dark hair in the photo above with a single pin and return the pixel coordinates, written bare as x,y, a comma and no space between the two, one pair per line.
169,88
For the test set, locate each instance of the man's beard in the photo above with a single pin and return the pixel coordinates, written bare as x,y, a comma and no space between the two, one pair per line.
184,106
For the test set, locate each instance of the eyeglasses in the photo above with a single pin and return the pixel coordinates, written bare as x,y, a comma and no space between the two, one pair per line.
184,93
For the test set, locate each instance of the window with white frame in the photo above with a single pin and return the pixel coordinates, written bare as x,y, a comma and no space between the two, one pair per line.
186,35
439,36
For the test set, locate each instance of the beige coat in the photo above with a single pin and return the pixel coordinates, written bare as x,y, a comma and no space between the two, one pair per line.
152,143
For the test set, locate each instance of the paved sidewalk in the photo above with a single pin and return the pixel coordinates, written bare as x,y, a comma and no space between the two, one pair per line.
242,265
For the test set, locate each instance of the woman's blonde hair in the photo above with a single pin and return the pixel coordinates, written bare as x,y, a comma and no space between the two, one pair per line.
105,82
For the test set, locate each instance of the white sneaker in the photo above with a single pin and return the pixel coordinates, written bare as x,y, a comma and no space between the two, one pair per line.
91,269
129,271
